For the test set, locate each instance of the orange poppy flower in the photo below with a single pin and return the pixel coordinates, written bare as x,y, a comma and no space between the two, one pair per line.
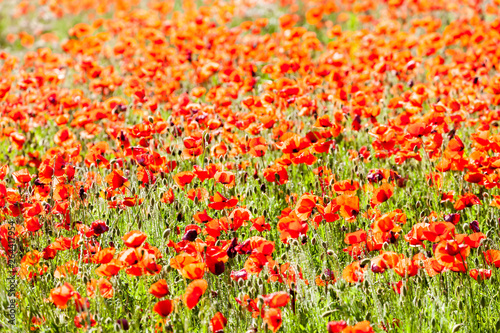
134,238
272,317
159,289
276,174
201,194
168,197
184,178
452,255
278,299
22,176
61,295
110,269
492,257
218,322
305,205
116,179
353,272
219,202
362,327
226,178
381,194
194,291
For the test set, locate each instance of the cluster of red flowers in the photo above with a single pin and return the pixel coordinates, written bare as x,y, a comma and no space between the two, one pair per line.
156,107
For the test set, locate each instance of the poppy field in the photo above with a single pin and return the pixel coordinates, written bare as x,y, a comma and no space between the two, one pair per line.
249,166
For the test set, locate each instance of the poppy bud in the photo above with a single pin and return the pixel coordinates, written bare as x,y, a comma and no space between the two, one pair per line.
474,226
151,119
330,252
231,251
313,241
376,269
401,182
392,237
218,268
452,218
323,243
364,262
303,239
277,177
260,302
123,324
190,235
166,233
375,176
99,227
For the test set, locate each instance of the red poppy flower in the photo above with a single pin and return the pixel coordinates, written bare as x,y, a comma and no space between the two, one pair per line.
163,308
